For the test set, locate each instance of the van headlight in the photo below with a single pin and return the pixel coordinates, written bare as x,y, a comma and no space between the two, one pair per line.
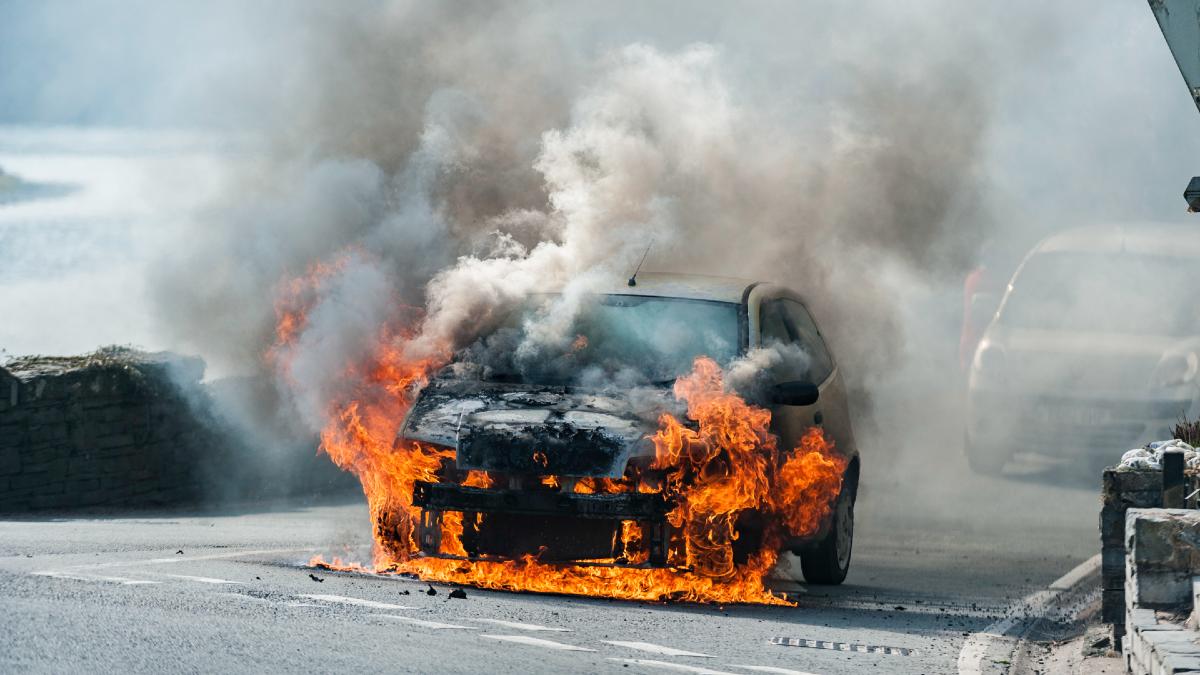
1175,370
989,366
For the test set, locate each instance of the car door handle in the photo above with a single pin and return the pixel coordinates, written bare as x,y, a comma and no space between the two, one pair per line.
818,418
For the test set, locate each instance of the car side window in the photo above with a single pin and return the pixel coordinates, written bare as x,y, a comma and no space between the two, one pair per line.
804,331
773,325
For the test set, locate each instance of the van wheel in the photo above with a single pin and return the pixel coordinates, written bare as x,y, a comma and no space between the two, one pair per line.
829,562
986,461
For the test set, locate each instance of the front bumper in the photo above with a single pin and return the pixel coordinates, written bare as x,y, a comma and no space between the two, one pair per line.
1070,426
554,526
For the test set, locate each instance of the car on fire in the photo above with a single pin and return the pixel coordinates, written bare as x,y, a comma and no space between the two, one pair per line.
549,429
1094,349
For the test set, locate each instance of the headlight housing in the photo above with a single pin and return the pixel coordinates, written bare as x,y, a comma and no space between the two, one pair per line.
1175,370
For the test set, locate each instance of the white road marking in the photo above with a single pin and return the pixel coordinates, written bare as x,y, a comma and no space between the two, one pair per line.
1067,581
163,561
524,626
771,669
343,600
666,665
57,574
202,580
210,556
538,642
656,649
424,624
975,649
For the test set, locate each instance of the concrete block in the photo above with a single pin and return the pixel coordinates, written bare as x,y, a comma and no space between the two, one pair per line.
1138,618
1179,641
1176,665
1167,539
1161,589
1119,482
1112,562
1112,605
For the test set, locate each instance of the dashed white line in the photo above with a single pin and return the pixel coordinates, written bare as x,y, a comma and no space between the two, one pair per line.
424,624
667,665
57,574
163,561
343,600
538,642
771,669
516,625
656,649
202,580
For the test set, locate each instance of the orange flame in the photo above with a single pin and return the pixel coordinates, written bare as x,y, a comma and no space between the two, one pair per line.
727,465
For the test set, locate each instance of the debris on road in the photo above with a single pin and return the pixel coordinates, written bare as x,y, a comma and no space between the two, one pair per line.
316,578
431,591
179,552
459,594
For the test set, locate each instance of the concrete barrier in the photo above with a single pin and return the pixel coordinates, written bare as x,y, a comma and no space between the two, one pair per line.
1162,562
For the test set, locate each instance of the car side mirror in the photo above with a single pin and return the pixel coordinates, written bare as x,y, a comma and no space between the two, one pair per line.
794,393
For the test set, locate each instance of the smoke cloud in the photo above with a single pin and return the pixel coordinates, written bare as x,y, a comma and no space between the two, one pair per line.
449,159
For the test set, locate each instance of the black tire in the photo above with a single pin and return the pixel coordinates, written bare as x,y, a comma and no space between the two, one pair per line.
829,562
983,460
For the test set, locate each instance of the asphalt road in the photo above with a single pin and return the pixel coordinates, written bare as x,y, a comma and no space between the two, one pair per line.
936,560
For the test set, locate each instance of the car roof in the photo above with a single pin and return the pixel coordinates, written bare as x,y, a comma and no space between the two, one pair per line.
1181,241
690,286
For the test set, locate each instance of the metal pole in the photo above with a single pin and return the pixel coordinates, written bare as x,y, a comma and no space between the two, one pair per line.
1172,477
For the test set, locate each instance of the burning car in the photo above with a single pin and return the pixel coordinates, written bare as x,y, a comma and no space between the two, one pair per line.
585,454
1093,350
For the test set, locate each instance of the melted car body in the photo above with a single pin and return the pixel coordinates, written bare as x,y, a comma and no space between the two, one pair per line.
549,427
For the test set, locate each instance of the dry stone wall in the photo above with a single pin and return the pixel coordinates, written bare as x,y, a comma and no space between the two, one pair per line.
115,428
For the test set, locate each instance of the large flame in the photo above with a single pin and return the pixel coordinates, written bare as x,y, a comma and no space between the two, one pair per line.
724,464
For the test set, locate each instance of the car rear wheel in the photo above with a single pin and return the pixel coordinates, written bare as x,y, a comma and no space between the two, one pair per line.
829,562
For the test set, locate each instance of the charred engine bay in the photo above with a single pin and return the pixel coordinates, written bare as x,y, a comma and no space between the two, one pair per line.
533,429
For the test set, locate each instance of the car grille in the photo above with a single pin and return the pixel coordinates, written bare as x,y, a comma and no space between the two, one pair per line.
1068,372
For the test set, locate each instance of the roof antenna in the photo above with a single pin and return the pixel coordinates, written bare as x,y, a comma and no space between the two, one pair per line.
633,279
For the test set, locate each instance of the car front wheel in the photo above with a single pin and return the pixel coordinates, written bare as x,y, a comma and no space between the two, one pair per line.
985,459
829,562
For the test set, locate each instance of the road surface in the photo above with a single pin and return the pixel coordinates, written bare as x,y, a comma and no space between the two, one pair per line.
934,566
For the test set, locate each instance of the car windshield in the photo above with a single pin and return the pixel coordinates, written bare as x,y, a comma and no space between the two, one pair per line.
1105,293
610,338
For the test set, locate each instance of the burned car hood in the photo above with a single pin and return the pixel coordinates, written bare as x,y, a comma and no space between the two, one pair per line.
537,429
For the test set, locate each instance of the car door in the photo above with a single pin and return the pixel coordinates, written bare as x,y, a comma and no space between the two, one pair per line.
786,320
832,411
789,422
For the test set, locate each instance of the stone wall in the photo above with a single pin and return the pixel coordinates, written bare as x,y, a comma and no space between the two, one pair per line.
114,428
1162,564
1122,490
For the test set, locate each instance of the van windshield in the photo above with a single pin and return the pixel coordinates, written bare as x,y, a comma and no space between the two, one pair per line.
625,338
1132,294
